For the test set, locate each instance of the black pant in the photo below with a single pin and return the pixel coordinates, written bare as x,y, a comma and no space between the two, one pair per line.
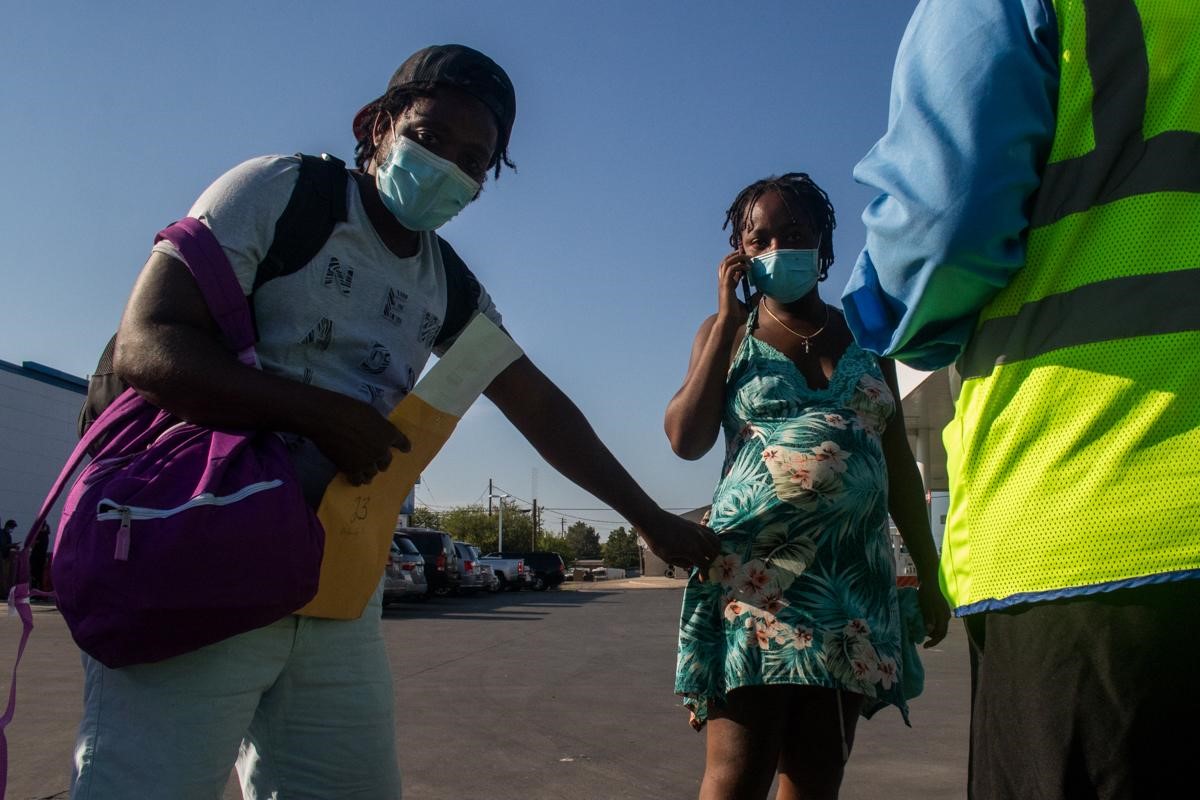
1091,697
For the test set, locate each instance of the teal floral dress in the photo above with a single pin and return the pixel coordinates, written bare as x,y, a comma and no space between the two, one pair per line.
804,591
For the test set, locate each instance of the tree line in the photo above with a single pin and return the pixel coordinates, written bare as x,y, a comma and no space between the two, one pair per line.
473,524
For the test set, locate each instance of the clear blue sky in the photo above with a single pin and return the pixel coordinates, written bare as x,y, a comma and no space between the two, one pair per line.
637,123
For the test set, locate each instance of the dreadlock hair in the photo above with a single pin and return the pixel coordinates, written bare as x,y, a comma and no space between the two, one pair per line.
802,192
394,103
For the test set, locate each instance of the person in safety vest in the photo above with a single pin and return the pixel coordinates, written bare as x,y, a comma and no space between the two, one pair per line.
1037,224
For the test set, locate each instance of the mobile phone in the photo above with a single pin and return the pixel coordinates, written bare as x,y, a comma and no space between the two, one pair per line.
746,289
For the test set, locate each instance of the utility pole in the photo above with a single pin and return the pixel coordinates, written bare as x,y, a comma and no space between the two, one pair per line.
533,536
533,516
490,493
500,536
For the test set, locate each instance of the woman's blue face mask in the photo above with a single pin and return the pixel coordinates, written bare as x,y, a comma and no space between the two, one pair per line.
785,275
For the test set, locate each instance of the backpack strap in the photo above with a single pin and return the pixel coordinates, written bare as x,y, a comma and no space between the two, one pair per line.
20,593
317,205
462,294
103,387
204,258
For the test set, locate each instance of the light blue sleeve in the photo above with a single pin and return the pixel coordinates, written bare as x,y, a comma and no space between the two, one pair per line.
969,127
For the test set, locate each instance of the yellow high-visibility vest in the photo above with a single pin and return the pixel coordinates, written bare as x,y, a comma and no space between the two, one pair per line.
1074,453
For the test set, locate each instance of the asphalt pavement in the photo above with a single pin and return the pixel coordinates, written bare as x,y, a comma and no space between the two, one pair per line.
560,694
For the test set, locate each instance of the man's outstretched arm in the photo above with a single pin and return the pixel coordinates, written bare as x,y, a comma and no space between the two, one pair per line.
562,435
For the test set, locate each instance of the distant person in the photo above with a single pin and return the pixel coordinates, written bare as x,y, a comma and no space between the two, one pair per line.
305,705
795,632
1037,225
6,537
6,550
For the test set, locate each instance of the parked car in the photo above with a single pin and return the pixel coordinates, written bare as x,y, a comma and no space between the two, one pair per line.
543,570
510,572
441,559
469,577
488,578
405,573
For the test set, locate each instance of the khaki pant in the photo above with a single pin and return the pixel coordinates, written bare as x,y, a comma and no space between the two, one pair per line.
304,707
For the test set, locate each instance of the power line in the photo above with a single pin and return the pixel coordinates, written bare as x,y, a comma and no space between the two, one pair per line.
607,508
425,485
561,511
622,521
512,496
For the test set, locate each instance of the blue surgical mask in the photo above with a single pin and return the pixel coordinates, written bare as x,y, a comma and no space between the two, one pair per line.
422,190
785,275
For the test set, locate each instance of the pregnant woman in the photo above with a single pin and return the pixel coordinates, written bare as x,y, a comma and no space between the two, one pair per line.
794,631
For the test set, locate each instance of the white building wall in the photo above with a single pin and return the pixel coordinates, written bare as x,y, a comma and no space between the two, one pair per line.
38,416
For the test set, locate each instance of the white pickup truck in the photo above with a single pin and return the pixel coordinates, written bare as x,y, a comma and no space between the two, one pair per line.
510,572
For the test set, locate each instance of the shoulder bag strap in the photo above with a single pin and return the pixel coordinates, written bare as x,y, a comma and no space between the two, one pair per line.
210,267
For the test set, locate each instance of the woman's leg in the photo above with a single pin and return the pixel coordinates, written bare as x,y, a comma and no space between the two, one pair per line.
743,744
811,761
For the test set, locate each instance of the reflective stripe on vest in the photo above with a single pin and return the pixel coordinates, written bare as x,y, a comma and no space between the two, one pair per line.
1074,455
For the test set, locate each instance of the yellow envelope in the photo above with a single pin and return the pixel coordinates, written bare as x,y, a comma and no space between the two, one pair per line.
359,520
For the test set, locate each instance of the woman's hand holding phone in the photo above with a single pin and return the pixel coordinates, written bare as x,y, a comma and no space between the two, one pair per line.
731,272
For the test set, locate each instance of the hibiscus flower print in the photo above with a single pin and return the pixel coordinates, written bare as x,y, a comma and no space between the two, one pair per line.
888,672
866,670
771,600
793,466
867,422
875,389
873,404
804,477
733,610
797,467
802,637
801,470
857,627
724,569
864,663
836,421
833,456
767,629
753,577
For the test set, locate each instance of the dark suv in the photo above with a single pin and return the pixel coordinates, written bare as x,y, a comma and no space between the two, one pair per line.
543,570
441,559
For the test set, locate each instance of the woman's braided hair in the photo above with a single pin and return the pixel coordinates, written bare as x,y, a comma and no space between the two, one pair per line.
793,186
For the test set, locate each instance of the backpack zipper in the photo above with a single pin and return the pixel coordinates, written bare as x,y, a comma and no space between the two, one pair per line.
104,467
108,509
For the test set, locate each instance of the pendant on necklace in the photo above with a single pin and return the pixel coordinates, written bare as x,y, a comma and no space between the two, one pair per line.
806,347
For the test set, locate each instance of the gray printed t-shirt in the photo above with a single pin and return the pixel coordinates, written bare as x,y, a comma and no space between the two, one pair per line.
357,319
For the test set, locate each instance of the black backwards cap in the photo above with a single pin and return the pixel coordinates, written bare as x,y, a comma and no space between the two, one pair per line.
452,65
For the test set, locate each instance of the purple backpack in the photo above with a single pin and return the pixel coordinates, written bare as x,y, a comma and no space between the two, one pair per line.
175,536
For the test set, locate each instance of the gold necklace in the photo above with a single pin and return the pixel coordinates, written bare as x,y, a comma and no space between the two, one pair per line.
796,333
